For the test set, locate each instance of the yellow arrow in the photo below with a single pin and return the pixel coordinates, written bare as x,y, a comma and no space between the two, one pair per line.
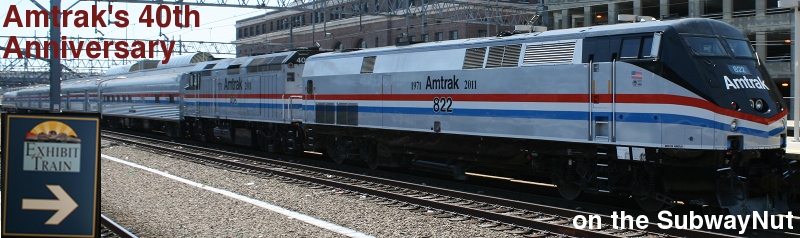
64,205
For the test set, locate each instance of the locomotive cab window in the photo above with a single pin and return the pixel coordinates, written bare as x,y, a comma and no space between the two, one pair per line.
706,46
630,48
647,47
194,82
740,48
290,76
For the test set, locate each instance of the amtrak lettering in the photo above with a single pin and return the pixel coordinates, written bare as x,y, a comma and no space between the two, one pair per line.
444,83
234,84
744,82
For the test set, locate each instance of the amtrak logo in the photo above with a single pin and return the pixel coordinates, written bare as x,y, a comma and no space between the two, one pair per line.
744,82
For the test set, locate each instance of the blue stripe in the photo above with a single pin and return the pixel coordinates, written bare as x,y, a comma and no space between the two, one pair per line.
145,102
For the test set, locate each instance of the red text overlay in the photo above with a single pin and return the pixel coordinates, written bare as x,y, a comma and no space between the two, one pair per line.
151,16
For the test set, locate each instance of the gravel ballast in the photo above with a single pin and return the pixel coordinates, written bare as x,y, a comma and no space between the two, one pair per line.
152,205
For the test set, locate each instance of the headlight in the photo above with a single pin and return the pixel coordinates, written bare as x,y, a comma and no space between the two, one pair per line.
759,105
734,106
734,124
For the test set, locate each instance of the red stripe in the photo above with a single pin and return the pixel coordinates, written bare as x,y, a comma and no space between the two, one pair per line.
561,98
417,97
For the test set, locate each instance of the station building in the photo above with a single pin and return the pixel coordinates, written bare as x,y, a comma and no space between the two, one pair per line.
768,26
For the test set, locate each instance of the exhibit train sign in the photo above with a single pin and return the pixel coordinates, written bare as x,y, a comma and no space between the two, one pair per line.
51,175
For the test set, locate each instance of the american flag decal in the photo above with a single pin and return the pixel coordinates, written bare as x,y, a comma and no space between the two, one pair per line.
637,74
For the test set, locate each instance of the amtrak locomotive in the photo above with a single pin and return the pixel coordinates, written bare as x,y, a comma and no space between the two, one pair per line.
659,111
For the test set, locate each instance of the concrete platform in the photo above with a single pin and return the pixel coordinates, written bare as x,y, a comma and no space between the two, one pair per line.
792,147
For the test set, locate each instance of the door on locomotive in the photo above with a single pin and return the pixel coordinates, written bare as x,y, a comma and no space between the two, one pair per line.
215,93
386,92
602,94
310,99
296,98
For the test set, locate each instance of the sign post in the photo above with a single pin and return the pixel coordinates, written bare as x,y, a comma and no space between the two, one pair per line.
51,175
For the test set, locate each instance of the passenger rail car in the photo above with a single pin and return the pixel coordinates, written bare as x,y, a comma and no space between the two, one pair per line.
80,95
151,102
10,101
661,111
34,99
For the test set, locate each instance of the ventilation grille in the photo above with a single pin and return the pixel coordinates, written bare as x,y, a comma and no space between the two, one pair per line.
503,56
474,58
549,53
495,56
511,57
266,64
368,65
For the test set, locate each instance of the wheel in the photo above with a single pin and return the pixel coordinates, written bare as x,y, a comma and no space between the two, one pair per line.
568,190
649,204
367,153
372,163
335,156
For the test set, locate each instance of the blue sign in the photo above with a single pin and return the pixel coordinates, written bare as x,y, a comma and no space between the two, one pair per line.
51,175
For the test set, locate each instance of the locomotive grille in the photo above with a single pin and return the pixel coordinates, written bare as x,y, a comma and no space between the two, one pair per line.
474,58
549,53
503,56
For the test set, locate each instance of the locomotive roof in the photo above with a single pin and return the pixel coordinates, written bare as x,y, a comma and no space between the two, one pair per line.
688,25
246,61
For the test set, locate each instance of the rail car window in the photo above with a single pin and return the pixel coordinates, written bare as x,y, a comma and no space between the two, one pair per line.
290,76
130,99
707,46
171,99
740,48
157,99
630,48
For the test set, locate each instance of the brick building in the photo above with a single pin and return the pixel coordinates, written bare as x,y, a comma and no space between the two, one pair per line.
767,26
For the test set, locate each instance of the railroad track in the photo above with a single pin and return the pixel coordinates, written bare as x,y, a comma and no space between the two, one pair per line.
528,219
114,228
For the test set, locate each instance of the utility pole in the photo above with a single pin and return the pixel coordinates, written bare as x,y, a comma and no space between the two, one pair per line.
793,4
55,58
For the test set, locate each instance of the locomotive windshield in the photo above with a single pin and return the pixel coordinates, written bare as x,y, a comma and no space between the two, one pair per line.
706,46
740,48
